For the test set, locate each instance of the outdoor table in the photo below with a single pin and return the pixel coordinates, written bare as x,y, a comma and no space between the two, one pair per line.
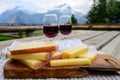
107,42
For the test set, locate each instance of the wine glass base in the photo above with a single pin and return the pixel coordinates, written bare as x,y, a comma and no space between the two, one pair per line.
51,39
65,37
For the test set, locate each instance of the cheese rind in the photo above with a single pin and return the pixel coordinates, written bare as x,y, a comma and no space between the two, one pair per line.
70,62
91,56
56,55
34,47
35,56
74,52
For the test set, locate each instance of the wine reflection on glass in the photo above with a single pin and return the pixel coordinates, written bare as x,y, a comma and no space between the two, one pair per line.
50,26
65,25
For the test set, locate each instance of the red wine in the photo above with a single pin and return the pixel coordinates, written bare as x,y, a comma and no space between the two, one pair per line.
50,31
65,29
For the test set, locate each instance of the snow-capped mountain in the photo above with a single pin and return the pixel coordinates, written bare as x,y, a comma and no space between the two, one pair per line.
66,9
18,15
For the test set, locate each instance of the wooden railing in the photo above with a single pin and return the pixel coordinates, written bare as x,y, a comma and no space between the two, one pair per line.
115,26
29,30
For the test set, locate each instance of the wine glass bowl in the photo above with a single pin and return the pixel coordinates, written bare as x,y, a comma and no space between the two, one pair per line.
65,25
50,25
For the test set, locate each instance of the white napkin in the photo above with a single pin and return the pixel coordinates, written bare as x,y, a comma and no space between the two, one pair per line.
69,43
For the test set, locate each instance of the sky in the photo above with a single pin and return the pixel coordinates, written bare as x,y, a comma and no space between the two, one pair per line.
44,5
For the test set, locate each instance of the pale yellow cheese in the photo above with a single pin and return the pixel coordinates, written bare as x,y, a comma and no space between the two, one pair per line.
30,63
27,45
70,62
74,52
91,56
35,56
71,49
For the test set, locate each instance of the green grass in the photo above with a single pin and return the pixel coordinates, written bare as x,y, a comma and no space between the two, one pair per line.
38,34
3,38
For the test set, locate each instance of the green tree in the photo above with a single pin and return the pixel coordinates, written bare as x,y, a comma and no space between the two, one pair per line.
98,12
74,20
113,11
105,11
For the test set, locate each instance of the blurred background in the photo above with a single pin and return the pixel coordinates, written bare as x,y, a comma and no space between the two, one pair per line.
24,18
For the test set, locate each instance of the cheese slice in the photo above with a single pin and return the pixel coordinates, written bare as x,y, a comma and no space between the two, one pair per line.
34,47
91,56
35,56
70,62
25,45
33,64
74,52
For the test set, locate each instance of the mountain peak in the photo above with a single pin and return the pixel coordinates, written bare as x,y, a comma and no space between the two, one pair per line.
63,5
64,8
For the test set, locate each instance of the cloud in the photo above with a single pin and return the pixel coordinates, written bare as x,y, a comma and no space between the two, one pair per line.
83,5
6,5
44,5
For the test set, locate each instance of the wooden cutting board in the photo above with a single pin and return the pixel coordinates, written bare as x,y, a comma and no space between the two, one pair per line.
103,62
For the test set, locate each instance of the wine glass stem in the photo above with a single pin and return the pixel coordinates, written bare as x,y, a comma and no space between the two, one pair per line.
65,37
51,39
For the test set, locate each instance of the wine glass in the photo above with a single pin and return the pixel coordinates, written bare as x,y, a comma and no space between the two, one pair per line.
65,25
50,26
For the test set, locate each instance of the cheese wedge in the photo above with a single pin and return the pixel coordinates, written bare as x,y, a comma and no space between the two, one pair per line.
56,55
34,47
74,52
35,56
91,56
33,64
70,62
